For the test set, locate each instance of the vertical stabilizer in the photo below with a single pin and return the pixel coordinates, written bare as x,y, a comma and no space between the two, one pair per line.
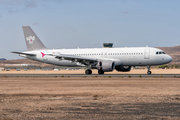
32,40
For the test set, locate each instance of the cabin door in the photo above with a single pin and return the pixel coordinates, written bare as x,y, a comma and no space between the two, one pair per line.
147,53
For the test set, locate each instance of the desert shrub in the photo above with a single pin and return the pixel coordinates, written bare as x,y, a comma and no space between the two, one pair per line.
176,66
163,66
172,66
95,97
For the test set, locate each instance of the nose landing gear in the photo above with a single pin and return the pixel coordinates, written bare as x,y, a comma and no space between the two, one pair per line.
148,72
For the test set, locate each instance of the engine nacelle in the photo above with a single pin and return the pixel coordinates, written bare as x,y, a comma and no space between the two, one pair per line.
106,65
123,68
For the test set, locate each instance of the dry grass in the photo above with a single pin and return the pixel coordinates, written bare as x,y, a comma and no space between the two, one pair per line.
89,98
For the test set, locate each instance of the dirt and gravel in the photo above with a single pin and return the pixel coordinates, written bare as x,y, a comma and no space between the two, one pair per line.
60,98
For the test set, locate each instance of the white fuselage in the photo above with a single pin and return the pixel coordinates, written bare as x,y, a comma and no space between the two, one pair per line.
135,56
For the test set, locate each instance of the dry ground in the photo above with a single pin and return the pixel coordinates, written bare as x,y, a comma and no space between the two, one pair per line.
89,98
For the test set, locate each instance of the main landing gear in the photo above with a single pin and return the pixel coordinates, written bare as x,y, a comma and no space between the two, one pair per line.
100,72
148,72
88,71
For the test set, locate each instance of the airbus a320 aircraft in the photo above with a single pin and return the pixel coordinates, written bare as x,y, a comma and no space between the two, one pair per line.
102,59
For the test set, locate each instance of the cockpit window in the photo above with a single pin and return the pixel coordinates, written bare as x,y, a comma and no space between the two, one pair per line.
160,53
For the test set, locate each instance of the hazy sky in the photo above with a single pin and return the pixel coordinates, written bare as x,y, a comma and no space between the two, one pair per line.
89,23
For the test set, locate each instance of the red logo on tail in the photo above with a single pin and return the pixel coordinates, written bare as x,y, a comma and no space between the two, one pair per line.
43,54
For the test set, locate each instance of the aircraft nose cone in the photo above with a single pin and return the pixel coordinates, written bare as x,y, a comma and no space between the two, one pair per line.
169,59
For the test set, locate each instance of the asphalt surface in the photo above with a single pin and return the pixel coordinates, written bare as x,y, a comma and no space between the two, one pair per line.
92,75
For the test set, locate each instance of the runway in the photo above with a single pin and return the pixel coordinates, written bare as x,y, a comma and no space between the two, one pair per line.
92,75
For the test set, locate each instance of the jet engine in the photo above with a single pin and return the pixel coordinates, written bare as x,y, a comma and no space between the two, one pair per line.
123,68
106,65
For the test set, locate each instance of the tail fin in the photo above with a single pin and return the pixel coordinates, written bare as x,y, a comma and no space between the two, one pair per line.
32,40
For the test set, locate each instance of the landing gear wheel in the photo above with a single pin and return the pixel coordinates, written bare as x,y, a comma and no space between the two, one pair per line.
100,72
149,72
88,72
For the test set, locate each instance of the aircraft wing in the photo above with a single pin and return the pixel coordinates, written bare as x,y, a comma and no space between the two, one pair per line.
83,60
21,53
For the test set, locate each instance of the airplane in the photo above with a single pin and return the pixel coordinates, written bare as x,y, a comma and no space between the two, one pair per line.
102,59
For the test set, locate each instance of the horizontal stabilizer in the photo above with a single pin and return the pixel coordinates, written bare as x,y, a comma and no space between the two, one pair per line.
24,53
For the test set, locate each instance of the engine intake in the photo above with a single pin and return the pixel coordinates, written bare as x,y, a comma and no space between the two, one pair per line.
106,65
123,68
